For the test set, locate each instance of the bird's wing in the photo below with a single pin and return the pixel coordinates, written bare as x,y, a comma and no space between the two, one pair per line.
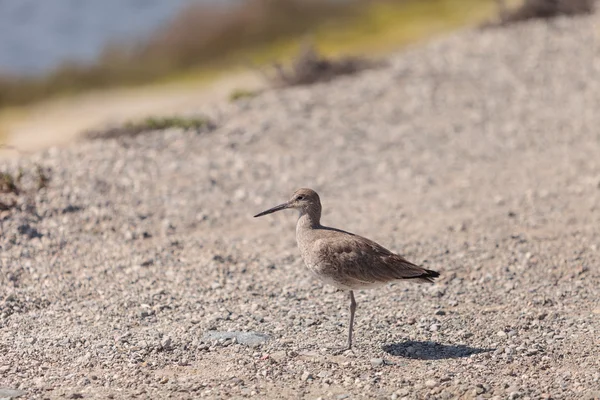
365,261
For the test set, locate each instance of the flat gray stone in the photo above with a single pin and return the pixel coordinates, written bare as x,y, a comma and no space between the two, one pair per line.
245,338
10,393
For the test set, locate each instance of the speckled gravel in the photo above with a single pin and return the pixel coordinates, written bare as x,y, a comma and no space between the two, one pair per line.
477,155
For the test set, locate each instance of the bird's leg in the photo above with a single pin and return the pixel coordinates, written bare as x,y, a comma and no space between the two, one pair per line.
351,324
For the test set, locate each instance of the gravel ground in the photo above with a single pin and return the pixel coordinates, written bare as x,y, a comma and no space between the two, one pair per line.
477,155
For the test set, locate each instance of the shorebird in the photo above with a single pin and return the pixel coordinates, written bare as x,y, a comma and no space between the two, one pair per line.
347,261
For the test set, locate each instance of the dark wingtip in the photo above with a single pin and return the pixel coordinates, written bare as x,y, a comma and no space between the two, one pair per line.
427,275
430,275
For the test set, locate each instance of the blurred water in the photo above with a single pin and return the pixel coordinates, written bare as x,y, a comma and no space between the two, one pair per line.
37,35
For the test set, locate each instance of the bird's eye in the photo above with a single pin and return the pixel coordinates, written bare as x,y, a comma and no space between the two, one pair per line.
300,198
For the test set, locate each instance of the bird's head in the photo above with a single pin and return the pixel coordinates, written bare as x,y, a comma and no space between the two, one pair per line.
304,200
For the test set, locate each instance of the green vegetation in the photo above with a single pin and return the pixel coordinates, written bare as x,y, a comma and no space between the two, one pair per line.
205,41
240,94
134,128
42,177
310,67
8,183
11,187
153,124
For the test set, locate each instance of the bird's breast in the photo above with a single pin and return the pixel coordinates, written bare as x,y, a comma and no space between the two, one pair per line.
320,268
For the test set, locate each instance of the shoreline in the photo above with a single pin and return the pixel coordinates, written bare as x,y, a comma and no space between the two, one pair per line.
65,120
61,120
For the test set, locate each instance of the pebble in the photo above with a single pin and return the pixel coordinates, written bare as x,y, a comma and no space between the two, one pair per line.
306,376
531,352
377,362
278,356
431,383
479,389
166,343
323,374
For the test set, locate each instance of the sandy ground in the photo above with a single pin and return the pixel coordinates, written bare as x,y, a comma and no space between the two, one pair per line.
477,155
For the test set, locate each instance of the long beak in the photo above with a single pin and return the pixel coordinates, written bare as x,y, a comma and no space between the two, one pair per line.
272,210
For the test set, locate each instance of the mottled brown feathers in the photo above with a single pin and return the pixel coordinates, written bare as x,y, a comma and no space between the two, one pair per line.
358,261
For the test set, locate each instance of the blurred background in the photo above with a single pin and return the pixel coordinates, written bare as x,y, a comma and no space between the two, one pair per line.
170,55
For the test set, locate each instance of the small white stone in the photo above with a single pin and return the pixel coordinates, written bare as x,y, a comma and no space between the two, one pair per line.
431,383
306,376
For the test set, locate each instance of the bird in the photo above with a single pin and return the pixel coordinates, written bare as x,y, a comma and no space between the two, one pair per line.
345,260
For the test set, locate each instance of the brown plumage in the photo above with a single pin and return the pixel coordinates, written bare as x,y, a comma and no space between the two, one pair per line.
343,259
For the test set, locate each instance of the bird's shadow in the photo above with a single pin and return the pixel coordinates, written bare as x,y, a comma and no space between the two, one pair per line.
430,350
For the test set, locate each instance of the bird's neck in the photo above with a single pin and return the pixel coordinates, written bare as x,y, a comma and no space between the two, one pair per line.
308,220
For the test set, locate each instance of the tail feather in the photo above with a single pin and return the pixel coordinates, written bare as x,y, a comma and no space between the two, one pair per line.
428,275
